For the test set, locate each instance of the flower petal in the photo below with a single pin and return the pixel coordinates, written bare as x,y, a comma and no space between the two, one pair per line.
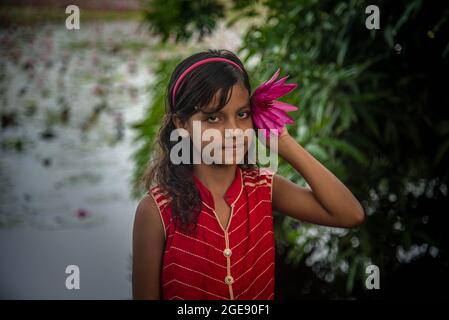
268,124
277,92
268,113
279,114
267,85
284,106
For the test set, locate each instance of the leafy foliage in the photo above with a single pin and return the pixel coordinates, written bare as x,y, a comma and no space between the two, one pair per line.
372,109
183,18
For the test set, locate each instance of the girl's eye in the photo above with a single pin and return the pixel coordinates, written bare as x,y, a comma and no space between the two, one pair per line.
244,114
213,119
216,119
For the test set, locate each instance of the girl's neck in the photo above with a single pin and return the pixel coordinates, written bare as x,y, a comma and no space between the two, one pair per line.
216,178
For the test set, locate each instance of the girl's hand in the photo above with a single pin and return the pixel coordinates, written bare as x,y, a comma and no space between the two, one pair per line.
285,142
284,139
284,134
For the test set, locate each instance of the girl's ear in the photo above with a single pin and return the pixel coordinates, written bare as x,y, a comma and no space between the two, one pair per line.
177,122
178,125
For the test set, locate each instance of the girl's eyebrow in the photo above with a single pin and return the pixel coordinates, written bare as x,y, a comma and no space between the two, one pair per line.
219,112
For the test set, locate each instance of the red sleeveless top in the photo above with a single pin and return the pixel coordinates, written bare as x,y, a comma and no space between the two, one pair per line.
236,262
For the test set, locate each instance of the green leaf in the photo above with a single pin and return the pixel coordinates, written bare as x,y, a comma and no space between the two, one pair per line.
346,148
441,152
351,275
317,151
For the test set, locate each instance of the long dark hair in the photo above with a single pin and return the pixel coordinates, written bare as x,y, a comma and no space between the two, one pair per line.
197,89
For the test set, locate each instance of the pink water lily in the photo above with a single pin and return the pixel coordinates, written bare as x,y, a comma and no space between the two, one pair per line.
267,112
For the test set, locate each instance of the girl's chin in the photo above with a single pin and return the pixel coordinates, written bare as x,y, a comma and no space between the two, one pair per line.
231,160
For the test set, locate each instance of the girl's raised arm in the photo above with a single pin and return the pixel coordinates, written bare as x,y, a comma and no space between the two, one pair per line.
328,201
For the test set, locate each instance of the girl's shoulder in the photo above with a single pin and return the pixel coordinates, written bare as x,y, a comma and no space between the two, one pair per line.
160,196
257,176
259,182
257,173
162,200
157,189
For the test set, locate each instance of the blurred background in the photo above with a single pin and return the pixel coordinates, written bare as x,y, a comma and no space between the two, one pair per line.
80,110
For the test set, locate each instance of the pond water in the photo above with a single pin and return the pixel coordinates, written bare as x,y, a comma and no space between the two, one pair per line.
67,99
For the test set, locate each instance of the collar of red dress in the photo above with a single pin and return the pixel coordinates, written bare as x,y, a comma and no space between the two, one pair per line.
231,194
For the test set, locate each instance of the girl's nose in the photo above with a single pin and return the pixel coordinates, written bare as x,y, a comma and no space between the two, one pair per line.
233,125
233,133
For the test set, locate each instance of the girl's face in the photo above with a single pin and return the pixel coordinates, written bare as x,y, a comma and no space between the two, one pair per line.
231,122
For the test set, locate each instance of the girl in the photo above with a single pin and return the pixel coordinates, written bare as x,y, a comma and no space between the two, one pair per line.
205,231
